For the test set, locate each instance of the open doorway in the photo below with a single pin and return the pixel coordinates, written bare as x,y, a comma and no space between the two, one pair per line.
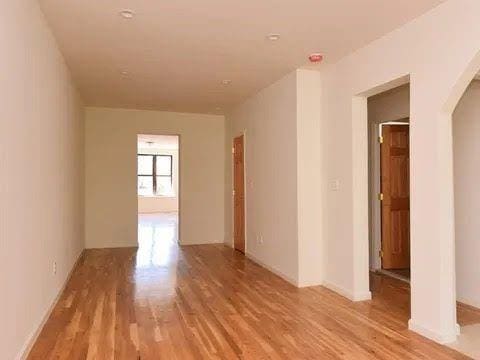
158,195
466,174
389,182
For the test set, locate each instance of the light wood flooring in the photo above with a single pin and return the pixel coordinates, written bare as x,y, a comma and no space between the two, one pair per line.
210,302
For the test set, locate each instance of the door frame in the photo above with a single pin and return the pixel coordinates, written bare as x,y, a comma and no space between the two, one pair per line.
179,195
376,213
245,197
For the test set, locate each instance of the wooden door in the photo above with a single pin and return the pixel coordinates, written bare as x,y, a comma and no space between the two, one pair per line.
238,194
395,191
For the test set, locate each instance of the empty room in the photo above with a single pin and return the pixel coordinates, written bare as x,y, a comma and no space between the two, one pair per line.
240,180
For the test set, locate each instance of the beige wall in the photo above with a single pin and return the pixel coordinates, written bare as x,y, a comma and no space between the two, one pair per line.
311,244
268,120
466,142
41,216
283,230
391,105
110,182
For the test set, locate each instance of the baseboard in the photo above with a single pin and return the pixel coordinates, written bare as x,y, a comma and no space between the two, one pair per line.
200,243
32,338
273,270
469,303
433,335
358,296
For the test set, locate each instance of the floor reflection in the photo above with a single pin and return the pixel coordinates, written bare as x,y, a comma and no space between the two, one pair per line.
157,255
157,239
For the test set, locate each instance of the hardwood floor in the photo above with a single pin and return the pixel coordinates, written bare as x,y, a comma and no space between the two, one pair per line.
210,302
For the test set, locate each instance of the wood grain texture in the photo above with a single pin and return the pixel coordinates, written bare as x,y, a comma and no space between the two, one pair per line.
239,194
210,302
395,184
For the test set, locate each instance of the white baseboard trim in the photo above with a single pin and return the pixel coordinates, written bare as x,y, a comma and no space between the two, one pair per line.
32,338
358,296
474,304
273,270
433,335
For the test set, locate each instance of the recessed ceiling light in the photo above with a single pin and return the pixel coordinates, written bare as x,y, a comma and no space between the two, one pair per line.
127,14
226,82
124,72
273,37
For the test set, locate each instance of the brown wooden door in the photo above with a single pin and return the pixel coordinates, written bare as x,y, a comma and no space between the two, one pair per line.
238,194
395,188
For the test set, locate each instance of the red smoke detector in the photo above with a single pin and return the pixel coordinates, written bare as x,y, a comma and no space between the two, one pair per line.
315,58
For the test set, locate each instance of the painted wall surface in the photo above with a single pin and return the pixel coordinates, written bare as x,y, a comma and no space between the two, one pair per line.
392,105
41,207
466,142
153,204
437,82
281,125
111,166
268,120
311,250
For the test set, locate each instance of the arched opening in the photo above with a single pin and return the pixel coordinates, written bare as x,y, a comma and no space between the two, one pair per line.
463,109
466,174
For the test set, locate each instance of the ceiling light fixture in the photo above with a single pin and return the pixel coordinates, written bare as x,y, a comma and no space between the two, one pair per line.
124,73
127,14
273,37
226,82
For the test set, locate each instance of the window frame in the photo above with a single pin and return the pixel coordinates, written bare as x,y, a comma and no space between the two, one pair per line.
154,171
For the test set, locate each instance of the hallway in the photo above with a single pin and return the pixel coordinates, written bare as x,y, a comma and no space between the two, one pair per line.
208,301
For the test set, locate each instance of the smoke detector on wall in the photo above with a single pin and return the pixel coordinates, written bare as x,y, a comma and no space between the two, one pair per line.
315,58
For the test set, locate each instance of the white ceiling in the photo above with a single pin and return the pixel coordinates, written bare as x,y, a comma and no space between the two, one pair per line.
177,52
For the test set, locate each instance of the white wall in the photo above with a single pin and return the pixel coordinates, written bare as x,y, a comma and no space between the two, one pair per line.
41,216
440,52
280,125
111,166
466,142
166,203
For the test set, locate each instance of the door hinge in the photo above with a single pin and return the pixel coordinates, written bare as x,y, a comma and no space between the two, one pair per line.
380,253
380,196
380,139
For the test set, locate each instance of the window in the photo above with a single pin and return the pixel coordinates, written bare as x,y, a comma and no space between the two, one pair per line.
155,175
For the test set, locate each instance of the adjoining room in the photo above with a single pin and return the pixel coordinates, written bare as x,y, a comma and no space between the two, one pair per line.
158,195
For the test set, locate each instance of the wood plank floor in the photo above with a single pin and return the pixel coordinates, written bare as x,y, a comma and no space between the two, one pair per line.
209,302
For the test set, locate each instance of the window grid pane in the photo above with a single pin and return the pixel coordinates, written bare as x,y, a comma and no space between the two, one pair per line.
145,165
145,185
164,186
164,165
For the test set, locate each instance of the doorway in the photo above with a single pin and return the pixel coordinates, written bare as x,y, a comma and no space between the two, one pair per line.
158,197
465,134
239,193
389,182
